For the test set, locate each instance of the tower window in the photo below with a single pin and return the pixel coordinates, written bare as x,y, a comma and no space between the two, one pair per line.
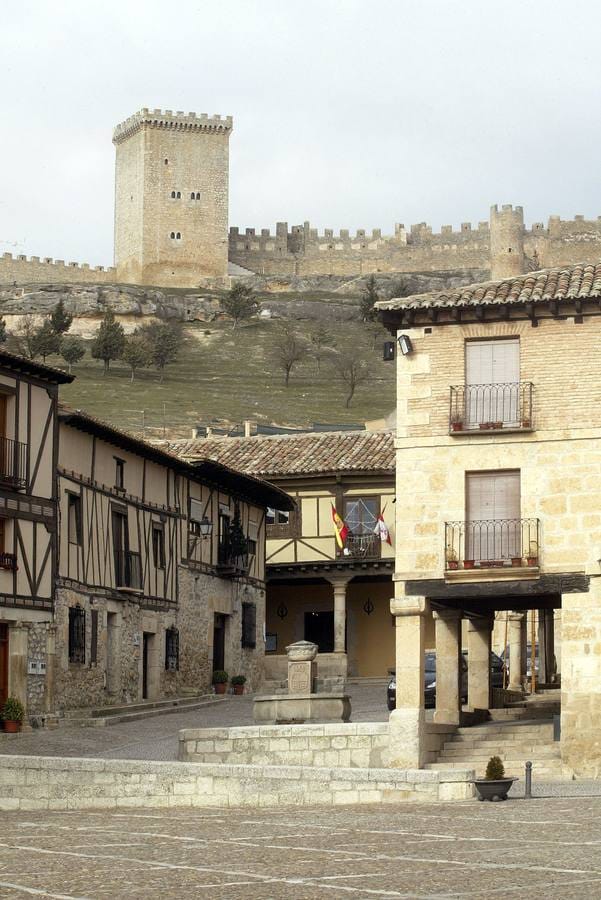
178,236
179,195
192,196
166,162
172,235
198,196
173,195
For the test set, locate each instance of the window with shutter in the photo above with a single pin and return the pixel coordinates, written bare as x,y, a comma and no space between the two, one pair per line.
493,515
492,379
249,625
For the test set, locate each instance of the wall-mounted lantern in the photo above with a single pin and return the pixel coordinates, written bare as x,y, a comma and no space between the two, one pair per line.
206,527
405,345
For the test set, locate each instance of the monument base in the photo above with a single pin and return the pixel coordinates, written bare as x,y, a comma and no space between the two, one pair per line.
293,709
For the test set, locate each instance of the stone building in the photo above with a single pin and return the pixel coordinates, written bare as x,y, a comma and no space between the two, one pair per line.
498,459
125,573
28,525
336,597
171,197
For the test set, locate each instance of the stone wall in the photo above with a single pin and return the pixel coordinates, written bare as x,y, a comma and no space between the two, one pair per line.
36,684
36,270
30,783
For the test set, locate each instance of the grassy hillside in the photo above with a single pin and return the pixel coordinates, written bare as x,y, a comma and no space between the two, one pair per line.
231,375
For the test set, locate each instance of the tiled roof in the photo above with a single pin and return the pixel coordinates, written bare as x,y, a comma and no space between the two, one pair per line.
365,451
577,282
38,370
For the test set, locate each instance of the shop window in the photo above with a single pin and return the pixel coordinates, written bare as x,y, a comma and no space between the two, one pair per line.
249,625
77,634
172,650
74,528
158,545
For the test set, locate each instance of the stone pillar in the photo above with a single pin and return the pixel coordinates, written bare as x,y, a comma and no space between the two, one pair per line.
17,661
339,584
49,698
448,666
546,646
479,633
517,650
407,721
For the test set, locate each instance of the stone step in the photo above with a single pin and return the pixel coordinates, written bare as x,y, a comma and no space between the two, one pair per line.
543,732
501,728
512,766
540,772
539,750
142,706
491,747
135,716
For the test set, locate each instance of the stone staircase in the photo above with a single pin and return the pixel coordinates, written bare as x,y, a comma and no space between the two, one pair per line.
102,716
514,740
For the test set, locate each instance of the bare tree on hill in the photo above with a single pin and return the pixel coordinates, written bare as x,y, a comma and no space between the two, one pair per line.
352,369
290,350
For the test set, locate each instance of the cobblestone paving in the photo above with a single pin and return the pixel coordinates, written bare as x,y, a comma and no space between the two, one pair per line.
157,737
537,849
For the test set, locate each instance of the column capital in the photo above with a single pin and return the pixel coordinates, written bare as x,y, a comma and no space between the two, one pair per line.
516,616
447,614
409,606
340,580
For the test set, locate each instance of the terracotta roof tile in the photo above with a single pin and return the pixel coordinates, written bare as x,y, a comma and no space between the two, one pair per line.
295,454
582,281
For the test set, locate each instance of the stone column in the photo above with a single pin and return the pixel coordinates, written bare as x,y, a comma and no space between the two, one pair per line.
339,584
407,721
448,666
17,661
479,633
49,697
517,653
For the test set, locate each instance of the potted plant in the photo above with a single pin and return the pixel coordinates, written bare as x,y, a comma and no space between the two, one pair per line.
516,561
13,714
451,558
220,680
495,785
497,425
456,422
484,425
532,558
238,682
469,564
526,423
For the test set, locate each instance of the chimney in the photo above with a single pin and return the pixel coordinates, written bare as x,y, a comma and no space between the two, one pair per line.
248,424
209,431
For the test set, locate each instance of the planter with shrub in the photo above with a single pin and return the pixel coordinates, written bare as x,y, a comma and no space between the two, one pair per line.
220,680
495,785
238,682
13,714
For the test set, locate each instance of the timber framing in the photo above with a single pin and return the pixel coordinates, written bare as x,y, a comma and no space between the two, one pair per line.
329,569
545,586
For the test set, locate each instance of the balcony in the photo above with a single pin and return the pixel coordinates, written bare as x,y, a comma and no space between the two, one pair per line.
230,562
13,464
128,570
361,546
492,544
8,562
486,408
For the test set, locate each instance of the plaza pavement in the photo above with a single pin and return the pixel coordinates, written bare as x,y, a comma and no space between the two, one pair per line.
535,849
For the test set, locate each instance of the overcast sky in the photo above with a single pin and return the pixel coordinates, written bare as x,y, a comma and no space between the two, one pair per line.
349,113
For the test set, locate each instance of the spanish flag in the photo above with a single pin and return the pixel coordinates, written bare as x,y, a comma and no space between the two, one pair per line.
339,527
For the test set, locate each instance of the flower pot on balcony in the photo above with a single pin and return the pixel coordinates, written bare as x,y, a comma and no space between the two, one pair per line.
532,560
456,426
526,423
516,561
468,563
452,564
497,425
483,426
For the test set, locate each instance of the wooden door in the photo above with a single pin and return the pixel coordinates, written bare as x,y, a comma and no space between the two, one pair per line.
493,529
145,647
492,377
219,642
3,663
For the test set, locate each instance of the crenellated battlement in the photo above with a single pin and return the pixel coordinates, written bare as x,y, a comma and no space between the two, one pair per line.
176,121
35,269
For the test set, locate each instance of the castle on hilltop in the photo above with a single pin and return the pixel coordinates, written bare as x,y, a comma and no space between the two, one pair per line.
171,225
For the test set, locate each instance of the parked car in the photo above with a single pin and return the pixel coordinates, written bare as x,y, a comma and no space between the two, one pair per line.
497,667
429,682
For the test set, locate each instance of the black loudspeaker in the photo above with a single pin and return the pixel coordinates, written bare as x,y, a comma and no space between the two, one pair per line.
388,351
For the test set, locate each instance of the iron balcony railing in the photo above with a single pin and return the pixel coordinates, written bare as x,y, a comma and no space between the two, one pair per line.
481,407
128,570
13,463
361,546
8,561
492,543
228,558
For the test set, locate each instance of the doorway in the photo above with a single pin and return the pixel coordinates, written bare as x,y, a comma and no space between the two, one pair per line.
319,629
146,638
219,642
112,674
3,663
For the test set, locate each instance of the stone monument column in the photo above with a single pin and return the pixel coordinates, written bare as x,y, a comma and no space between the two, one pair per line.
517,659
407,720
479,634
448,666
302,668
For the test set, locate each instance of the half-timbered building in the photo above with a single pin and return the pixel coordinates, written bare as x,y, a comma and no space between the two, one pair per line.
28,526
161,575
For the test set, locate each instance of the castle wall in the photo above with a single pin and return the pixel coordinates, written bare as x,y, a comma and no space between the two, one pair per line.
36,270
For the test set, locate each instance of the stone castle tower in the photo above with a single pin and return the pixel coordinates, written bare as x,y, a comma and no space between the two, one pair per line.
506,242
171,197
